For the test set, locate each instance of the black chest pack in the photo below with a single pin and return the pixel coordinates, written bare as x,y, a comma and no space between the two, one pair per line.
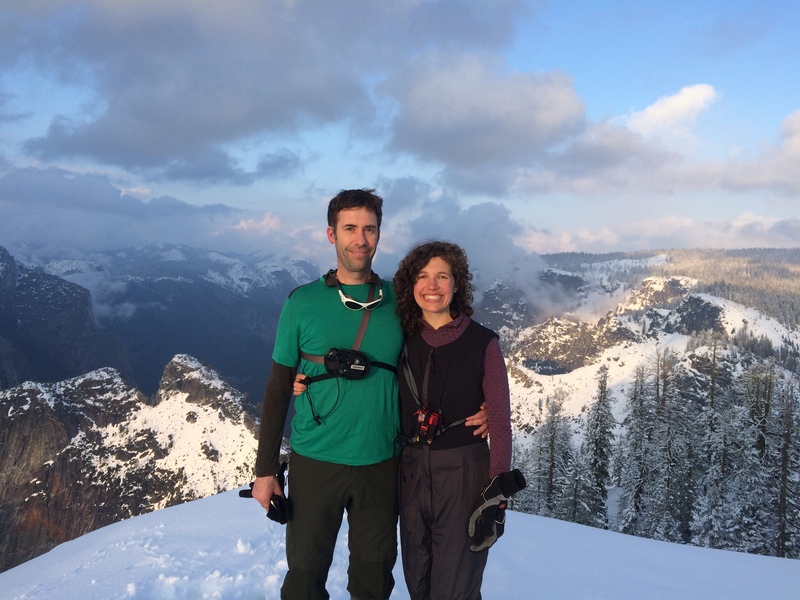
346,363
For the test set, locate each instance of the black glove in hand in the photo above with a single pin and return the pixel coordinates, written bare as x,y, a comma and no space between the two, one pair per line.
278,505
487,522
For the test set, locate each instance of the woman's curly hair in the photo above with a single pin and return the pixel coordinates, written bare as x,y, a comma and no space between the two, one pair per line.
406,277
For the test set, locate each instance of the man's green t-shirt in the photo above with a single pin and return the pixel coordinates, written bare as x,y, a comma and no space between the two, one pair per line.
359,418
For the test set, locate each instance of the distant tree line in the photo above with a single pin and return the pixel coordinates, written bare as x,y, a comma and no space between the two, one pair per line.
720,469
764,278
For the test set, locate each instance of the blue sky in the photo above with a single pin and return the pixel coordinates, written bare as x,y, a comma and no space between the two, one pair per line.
516,128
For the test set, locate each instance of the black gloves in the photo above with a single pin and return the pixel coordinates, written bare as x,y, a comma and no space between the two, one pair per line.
488,521
278,506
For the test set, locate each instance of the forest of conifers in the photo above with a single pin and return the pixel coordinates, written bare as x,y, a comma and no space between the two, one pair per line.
720,468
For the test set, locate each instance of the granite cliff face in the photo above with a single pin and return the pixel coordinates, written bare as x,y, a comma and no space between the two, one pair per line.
92,450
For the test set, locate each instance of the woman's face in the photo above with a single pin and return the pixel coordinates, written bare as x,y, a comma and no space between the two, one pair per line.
434,289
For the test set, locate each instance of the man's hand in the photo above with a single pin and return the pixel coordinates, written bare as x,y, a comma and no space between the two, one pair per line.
480,420
264,488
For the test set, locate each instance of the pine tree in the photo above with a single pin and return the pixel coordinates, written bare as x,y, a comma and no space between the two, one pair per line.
788,507
577,490
634,451
750,521
668,505
657,485
549,461
598,449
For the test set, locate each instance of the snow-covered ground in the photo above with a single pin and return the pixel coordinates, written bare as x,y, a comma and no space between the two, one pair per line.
224,547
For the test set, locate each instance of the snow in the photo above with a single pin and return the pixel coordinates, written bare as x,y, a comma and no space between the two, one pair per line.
736,316
183,428
224,547
174,255
580,385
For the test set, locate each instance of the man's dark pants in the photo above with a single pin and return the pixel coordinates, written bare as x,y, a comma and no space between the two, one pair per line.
319,493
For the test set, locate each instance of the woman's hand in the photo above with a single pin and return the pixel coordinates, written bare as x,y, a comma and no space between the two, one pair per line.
299,384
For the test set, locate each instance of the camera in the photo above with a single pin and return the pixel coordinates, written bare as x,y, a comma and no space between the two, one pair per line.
427,425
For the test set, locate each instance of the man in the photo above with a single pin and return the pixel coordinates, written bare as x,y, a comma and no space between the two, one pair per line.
345,431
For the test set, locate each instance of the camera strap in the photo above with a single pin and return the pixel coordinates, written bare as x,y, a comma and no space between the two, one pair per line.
412,386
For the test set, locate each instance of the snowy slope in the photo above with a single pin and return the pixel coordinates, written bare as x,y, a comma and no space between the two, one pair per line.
223,547
530,390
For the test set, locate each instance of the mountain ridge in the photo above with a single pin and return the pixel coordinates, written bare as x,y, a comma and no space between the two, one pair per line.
89,451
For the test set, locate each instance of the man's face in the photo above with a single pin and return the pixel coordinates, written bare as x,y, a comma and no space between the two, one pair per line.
356,237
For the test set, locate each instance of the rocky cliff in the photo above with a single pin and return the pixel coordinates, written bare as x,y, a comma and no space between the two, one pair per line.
47,328
88,451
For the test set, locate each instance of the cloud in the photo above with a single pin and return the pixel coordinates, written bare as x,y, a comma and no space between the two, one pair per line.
54,210
674,116
7,116
500,133
469,111
777,168
790,132
269,222
747,230
400,193
487,233
177,86
640,157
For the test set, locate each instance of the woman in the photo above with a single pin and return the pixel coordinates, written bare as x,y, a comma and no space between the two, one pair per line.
450,366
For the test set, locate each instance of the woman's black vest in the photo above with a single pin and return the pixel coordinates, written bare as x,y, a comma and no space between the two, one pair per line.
452,385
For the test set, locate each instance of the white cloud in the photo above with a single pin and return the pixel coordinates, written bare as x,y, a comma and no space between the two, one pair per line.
674,116
777,168
790,131
667,231
269,222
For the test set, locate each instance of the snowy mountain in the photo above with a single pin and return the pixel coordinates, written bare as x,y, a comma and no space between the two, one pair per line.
47,328
565,353
89,451
224,547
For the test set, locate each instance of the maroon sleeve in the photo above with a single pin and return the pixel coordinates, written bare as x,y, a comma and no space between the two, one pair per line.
498,408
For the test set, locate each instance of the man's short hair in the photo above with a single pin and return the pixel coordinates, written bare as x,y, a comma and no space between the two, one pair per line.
348,199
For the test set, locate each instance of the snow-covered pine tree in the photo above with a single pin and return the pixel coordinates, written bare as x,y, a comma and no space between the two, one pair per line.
750,523
597,450
548,467
634,453
788,535
667,507
577,489
711,501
